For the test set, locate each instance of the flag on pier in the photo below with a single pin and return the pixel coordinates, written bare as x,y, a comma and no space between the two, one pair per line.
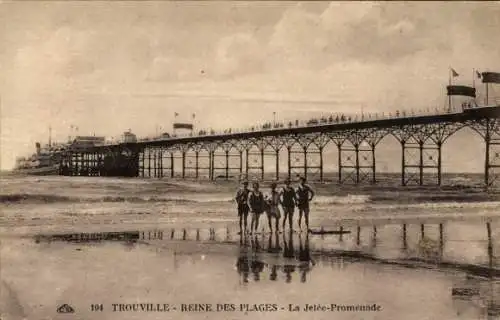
454,73
175,114
491,77
478,74
461,91
183,126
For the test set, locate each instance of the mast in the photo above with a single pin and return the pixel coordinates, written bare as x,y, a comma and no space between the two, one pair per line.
487,100
449,84
50,136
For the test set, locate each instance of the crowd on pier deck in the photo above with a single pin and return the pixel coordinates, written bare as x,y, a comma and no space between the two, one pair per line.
323,120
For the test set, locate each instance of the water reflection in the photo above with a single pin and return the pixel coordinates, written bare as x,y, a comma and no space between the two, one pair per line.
291,257
475,297
127,236
274,259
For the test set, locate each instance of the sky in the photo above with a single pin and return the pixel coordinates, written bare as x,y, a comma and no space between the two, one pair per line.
107,67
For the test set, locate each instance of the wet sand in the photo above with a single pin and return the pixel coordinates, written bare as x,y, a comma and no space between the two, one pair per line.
415,259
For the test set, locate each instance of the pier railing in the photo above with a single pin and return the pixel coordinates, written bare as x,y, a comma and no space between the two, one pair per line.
334,118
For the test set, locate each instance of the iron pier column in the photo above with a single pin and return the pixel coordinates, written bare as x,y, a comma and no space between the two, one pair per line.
289,150
246,163
149,161
183,164
143,161
374,179
439,163
339,147
227,164
155,166
277,165
321,164
356,150
487,138
161,162
262,163
403,180
421,163
305,163
172,166
212,163
196,168
241,163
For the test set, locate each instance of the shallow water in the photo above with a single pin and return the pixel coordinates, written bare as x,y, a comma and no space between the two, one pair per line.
63,241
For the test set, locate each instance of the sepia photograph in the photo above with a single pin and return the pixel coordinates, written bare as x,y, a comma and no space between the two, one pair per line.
249,160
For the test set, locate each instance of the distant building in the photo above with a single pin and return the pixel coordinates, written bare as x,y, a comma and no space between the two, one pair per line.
129,137
87,142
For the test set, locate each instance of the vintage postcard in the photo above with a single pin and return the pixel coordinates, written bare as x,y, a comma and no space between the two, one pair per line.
249,160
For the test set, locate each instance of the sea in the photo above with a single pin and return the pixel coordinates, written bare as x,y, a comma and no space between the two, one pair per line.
142,248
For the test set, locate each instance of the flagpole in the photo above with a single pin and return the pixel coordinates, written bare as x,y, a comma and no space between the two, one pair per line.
474,78
487,100
449,83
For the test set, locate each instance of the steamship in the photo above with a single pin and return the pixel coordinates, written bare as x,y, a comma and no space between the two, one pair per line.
47,159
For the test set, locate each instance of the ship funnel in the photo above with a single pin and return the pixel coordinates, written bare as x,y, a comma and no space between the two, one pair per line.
37,145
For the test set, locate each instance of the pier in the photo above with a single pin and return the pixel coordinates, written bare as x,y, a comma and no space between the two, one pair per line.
231,154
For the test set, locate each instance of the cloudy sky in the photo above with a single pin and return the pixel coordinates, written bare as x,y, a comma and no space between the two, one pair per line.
110,66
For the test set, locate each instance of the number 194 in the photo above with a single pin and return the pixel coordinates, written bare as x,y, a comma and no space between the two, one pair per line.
96,307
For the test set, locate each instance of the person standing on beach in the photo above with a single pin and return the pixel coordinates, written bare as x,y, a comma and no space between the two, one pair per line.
256,205
288,201
273,210
241,200
304,195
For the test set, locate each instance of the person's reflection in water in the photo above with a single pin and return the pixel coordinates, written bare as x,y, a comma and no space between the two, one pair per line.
255,244
288,251
288,269
274,273
256,264
270,247
276,247
242,265
257,267
305,258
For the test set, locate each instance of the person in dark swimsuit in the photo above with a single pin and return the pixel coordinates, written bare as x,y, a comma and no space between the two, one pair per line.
288,200
304,195
241,200
257,205
272,208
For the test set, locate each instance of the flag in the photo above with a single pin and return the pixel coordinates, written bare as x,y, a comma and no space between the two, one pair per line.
453,72
491,77
461,91
175,114
478,74
183,126
194,115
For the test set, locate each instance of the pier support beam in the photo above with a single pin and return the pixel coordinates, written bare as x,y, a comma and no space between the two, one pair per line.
489,129
226,161
305,156
197,161
254,150
275,144
150,153
356,152
421,158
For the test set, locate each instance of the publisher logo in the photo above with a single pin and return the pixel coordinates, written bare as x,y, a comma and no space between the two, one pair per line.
65,308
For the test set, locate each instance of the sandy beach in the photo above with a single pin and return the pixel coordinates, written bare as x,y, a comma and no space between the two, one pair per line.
97,243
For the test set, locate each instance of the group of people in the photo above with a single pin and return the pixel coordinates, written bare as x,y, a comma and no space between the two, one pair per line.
254,202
